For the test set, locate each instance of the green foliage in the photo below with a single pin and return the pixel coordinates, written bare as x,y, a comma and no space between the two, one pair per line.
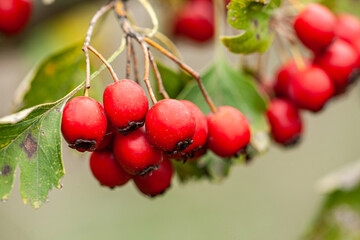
174,82
32,140
339,218
252,17
55,77
227,87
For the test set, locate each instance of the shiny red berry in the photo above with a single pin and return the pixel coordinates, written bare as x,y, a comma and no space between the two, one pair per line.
106,170
229,131
126,105
83,123
339,61
311,88
348,28
201,131
106,142
157,182
196,21
315,27
170,126
135,154
284,76
14,15
285,121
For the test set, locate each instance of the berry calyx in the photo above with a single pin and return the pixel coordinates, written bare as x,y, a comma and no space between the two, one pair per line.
83,123
126,105
311,88
315,27
229,131
157,182
339,61
106,170
170,126
201,132
196,21
135,154
14,15
285,121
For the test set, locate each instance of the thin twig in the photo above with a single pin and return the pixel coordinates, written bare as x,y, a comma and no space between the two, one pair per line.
160,83
89,33
128,56
111,70
126,26
135,65
187,69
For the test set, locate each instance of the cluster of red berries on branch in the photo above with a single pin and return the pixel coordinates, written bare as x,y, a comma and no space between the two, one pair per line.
308,84
14,15
131,141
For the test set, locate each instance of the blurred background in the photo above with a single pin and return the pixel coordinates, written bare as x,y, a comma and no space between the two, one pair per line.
274,197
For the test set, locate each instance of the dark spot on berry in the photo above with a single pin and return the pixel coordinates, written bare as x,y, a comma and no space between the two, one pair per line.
160,193
181,146
83,145
293,142
131,127
29,145
147,170
6,170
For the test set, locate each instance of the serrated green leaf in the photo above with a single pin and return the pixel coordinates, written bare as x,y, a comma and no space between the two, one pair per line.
56,76
227,86
252,17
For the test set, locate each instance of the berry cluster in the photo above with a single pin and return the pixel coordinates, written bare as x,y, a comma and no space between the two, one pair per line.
14,15
309,84
129,141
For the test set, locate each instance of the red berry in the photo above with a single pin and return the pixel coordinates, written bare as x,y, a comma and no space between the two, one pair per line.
14,15
284,76
170,126
157,182
106,142
315,27
126,105
196,21
311,88
348,28
229,131
201,131
339,61
106,170
83,123
135,154
285,121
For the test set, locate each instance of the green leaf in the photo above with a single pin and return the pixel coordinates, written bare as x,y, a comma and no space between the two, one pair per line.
174,82
55,77
227,86
252,17
34,143
339,217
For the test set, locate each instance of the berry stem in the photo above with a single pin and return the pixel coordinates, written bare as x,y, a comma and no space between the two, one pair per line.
299,60
128,57
187,69
120,10
160,83
135,66
280,49
111,70
89,33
